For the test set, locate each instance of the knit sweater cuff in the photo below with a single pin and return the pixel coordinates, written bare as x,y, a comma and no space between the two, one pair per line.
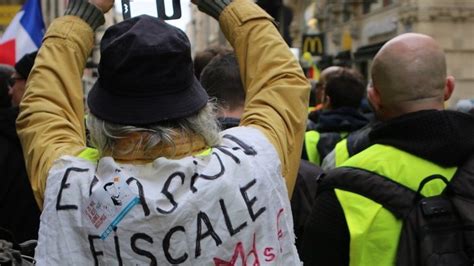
213,7
87,12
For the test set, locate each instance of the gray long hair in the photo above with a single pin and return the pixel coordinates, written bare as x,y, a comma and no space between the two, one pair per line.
103,135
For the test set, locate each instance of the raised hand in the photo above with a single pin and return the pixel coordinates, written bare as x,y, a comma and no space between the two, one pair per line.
212,7
103,5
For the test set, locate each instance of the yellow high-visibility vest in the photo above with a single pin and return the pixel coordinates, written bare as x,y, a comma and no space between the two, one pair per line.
374,231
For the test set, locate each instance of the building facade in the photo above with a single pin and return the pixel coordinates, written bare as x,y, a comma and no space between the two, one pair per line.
356,29
203,31
352,31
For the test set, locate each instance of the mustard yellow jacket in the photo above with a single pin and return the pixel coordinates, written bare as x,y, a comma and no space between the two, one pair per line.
51,120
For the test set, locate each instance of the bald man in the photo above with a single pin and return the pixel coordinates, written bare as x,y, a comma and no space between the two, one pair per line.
409,75
415,139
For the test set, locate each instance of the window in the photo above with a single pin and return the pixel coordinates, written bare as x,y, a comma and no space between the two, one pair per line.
366,7
387,2
346,12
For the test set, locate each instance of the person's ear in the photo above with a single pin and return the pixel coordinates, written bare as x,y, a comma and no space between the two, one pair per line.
449,87
373,96
327,102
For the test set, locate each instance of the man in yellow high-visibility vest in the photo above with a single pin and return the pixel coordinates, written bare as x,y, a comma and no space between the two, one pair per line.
342,92
415,139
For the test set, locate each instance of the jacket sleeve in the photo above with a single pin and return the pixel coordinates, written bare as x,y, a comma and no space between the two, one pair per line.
51,120
277,91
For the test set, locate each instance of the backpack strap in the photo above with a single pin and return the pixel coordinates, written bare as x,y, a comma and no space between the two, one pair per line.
358,140
394,197
462,195
463,180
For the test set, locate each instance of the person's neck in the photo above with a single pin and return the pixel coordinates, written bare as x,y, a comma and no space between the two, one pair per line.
234,113
184,146
399,109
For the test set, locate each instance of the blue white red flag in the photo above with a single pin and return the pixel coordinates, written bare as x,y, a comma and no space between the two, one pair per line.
24,34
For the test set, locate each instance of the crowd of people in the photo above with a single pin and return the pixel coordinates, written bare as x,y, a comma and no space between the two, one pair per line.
217,161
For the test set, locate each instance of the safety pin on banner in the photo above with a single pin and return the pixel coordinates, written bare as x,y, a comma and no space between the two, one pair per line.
131,8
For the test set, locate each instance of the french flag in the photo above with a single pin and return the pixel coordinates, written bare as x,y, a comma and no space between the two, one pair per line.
24,34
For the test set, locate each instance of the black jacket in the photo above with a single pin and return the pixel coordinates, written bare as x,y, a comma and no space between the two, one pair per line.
303,197
342,119
442,137
19,212
330,124
228,122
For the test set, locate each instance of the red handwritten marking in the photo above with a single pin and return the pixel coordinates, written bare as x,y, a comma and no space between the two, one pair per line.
100,221
268,252
239,252
279,231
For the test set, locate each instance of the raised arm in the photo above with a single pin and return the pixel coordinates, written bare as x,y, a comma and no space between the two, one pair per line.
277,91
51,119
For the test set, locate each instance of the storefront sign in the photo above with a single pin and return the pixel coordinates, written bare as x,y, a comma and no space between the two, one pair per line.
7,13
313,44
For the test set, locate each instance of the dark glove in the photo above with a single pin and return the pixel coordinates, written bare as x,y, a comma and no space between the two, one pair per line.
212,7
86,11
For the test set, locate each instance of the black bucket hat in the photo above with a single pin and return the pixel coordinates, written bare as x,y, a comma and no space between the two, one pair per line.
146,74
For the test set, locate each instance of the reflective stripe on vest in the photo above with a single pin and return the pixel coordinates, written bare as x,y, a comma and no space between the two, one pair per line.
311,139
374,231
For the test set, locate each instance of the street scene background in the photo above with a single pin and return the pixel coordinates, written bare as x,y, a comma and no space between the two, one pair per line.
337,32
